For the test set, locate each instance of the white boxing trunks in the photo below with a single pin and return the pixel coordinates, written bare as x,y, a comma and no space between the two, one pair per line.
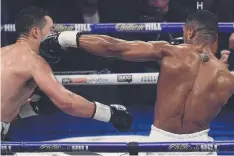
158,135
4,129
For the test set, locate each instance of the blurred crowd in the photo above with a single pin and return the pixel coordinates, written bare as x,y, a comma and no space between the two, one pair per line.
114,11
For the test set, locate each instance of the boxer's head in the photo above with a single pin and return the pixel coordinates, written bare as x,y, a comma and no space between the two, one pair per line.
34,24
201,27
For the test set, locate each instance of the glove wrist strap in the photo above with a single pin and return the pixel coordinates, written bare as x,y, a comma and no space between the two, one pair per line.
102,112
69,39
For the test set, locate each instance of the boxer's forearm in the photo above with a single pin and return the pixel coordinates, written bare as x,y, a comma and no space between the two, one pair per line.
98,44
76,105
107,46
95,44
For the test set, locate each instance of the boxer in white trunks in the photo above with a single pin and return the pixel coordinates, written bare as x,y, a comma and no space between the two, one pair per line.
193,84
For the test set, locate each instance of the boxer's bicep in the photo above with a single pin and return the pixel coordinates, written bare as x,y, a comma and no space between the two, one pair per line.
162,49
46,81
138,50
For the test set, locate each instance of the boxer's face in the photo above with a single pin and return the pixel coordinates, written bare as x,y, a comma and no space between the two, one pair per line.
48,28
40,33
190,36
188,33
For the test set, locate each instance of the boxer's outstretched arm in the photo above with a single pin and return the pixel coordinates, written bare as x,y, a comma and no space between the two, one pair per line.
107,46
74,104
64,99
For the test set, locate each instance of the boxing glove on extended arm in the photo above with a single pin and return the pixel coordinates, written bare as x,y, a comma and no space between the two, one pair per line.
115,114
61,41
53,47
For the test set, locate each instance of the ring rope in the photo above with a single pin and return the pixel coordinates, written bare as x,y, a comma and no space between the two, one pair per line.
110,79
110,147
122,27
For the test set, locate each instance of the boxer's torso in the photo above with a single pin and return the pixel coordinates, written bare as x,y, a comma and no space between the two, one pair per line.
190,93
16,81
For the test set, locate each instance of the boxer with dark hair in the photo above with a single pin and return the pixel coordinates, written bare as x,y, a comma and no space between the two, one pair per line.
23,69
193,84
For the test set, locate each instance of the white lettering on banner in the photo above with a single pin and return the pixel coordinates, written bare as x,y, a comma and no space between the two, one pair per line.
80,148
208,147
199,5
129,27
83,27
182,147
9,27
62,27
153,26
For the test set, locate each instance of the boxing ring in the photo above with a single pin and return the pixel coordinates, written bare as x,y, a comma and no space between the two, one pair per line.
116,144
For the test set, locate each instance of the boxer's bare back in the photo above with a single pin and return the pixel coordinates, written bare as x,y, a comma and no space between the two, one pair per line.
17,84
190,92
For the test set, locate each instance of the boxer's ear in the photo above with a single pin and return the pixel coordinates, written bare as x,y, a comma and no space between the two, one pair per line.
185,34
191,33
35,32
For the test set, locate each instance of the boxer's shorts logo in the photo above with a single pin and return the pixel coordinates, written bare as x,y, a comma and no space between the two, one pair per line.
124,78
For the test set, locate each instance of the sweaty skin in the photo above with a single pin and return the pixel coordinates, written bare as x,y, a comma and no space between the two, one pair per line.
22,71
16,86
190,91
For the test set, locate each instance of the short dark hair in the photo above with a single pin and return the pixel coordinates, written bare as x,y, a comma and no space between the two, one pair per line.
29,18
205,24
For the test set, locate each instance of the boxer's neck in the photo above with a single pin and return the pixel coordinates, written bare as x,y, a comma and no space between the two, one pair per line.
34,46
205,49
202,46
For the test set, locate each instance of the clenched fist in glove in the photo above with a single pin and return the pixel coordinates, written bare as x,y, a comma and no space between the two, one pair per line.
115,114
53,47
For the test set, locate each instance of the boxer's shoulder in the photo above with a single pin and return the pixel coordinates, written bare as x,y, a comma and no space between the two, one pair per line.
184,52
225,81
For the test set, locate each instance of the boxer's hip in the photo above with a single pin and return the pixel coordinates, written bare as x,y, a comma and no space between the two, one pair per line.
162,135
159,135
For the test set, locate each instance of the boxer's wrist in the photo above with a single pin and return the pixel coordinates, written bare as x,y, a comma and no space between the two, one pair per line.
69,39
102,112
